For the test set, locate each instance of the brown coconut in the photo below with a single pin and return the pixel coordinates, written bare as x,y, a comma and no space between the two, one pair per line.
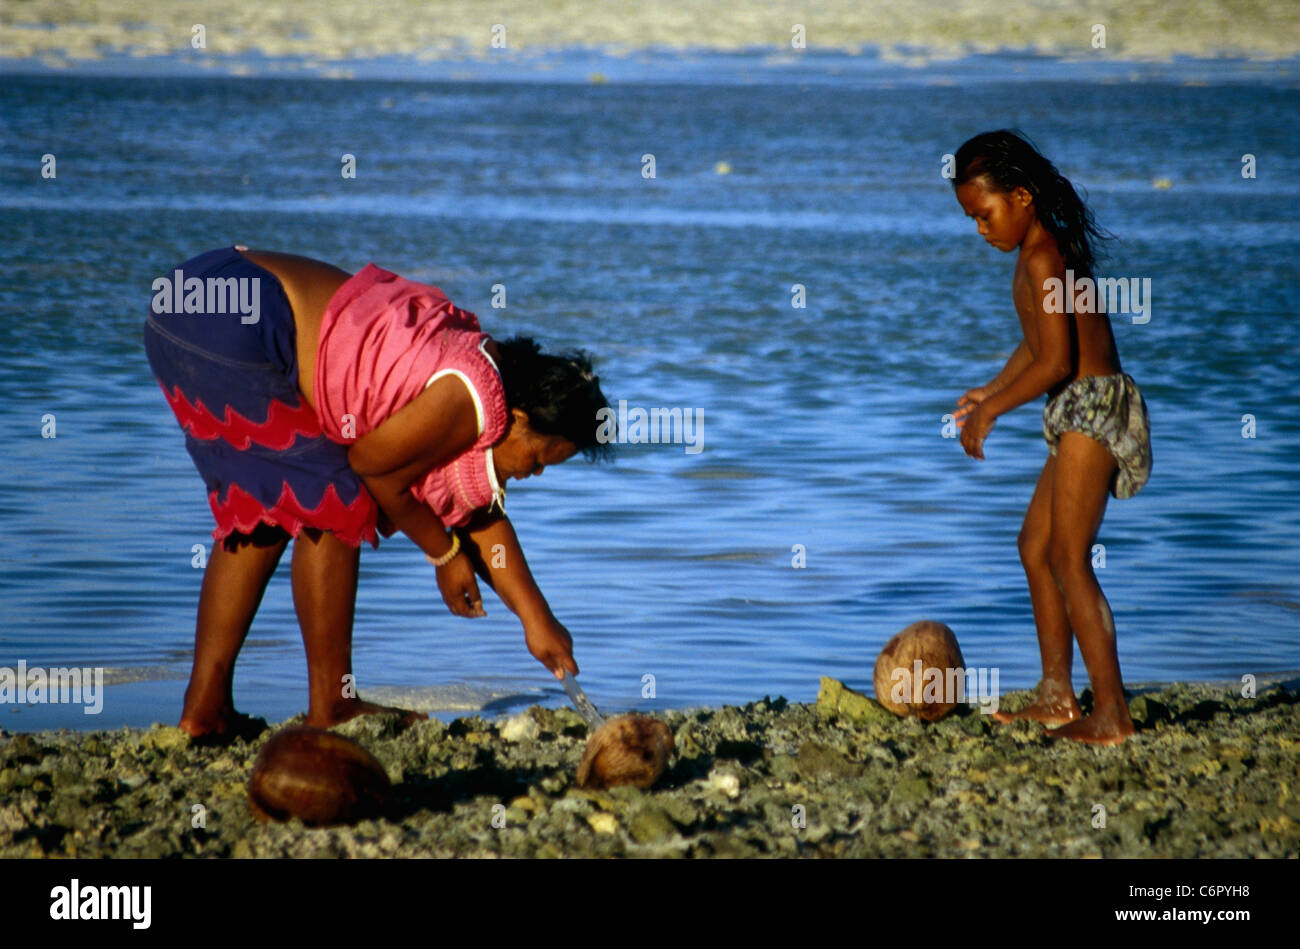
629,749
317,776
936,647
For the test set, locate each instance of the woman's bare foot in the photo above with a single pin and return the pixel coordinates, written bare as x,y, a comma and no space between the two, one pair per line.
348,709
1054,705
1107,727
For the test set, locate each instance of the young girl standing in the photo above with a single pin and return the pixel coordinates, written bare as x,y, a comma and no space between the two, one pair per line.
1095,421
322,407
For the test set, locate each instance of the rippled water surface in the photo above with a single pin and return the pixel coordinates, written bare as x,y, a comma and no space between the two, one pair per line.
821,425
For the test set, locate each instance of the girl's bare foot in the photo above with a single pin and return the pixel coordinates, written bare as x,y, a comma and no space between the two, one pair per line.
1054,705
1108,727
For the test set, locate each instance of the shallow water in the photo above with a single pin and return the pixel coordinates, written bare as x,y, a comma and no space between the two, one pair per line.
821,426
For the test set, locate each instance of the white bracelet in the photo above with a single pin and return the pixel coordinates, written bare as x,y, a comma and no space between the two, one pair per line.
449,555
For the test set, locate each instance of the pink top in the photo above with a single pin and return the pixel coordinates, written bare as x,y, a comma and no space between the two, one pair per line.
383,340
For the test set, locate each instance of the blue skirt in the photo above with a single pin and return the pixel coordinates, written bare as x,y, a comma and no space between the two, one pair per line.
221,341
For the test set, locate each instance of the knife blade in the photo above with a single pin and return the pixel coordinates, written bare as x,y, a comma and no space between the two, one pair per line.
583,704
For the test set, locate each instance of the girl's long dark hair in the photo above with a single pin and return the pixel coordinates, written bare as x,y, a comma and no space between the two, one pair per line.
560,393
1010,161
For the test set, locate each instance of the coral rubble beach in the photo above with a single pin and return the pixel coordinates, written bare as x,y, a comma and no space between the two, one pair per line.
1209,774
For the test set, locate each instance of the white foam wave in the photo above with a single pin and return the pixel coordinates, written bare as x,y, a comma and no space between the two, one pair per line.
449,698
122,675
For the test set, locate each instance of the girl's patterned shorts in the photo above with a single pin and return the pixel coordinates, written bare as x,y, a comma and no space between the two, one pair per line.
1110,410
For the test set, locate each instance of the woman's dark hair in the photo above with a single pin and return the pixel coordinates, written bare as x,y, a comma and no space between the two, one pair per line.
1009,161
560,393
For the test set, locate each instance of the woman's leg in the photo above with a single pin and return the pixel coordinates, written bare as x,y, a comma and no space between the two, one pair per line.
233,584
1079,494
324,597
1055,703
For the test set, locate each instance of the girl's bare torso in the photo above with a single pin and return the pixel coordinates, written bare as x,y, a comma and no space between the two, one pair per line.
1092,342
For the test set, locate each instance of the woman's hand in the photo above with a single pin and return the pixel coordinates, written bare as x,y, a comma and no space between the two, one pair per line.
552,646
459,588
975,429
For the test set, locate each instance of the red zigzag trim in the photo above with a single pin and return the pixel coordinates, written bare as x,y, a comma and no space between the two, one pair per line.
283,424
351,523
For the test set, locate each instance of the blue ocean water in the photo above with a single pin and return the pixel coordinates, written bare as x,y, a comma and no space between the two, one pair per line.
822,425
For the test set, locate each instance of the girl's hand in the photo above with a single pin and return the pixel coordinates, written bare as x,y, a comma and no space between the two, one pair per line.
459,588
972,398
552,646
974,430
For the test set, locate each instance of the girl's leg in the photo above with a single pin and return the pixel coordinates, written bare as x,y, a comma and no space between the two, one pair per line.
324,597
233,584
1083,472
1055,703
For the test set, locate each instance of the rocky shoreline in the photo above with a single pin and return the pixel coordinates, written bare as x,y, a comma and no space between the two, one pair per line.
1209,774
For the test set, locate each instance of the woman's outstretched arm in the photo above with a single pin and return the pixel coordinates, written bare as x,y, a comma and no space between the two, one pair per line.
494,549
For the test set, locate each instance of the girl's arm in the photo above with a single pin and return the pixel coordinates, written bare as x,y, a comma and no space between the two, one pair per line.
1053,361
1051,364
1021,358
494,549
